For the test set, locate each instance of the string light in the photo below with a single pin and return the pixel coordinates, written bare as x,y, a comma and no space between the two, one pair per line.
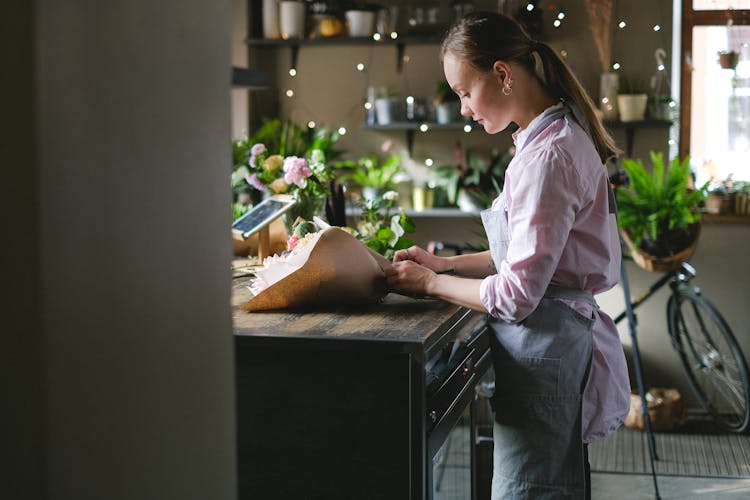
360,67
368,105
311,124
394,35
292,72
376,37
660,67
529,7
657,27
616,66
622,24
428,162
423,127
342,130
467,128
290,93
557,23
561,15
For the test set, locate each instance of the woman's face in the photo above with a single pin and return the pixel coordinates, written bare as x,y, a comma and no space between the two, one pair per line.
480,93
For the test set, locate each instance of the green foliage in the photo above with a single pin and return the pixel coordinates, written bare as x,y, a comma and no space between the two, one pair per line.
238,210
481,178
657,203
287,139
444,93
368,171
381,231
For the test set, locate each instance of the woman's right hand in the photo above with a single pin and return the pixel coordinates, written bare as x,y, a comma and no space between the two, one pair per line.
423,258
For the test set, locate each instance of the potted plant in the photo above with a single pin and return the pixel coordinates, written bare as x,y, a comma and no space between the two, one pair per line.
631,100
741,191
728,59
373,175
360,19
658,214
385,105
719,196
447,103
473,183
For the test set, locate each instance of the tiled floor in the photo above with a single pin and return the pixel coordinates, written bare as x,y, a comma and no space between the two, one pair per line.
637,486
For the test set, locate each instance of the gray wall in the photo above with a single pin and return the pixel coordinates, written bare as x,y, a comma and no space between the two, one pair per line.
121,335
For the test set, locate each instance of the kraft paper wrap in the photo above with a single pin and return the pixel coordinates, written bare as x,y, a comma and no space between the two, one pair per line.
338,268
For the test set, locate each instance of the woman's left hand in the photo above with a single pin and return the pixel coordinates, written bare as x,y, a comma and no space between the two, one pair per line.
409,278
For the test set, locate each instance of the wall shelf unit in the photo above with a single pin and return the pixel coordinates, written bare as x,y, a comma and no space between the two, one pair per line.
631,127
411,128
295,44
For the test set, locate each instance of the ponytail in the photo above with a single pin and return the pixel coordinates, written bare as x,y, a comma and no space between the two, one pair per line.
481,38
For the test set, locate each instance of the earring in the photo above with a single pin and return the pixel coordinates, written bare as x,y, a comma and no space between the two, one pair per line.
507,89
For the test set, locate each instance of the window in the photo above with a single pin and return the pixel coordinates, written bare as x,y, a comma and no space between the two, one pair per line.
715,98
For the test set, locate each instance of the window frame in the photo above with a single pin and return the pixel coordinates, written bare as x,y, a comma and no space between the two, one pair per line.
690,19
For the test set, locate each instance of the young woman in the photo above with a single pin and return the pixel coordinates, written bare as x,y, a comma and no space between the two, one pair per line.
560,375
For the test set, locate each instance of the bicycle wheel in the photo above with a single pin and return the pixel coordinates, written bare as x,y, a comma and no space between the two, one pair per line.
711,357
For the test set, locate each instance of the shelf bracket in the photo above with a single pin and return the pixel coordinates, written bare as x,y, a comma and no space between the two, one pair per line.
295,56
400,51
410,141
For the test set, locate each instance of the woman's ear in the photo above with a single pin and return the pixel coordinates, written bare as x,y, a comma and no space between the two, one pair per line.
502,72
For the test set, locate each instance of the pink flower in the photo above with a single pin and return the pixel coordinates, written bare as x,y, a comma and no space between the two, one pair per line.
255,182
257,285
258,149
296,171
292,242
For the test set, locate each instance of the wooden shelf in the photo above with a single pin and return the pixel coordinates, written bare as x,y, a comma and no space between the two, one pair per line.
412,127
726,218
294,44
631,127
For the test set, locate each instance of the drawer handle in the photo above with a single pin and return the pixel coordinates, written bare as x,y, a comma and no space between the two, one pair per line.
468,369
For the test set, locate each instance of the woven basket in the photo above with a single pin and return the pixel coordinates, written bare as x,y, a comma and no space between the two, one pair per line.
666,410
660,264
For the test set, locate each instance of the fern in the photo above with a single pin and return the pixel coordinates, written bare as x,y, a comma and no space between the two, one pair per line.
658,201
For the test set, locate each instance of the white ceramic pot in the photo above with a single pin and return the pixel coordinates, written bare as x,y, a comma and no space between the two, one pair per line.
384,110
446,112
292,19
360,22
632,107
271,19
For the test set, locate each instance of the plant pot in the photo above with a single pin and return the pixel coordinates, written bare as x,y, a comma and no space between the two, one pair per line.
447,112
292,19
384,110
662,264
271,19
719,203
422,198
728,59
632,107
361,22
741,203
659,108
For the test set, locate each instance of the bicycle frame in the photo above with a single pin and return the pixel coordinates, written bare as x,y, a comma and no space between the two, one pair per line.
683,274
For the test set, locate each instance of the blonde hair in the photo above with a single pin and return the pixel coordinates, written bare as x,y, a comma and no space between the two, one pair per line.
481,38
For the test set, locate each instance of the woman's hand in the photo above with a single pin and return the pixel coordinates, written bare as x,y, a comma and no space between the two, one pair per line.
423,258
409,278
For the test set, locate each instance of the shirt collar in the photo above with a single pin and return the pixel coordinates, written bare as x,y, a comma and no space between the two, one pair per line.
520,136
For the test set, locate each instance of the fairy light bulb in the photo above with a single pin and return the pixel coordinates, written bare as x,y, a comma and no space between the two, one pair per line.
368,105
342,130
561,15
467,128
657,27
428,162
290,93
557,23
376,37
529,7
394,35
360,67
423,127
622,24
660,67
616,66
292,72
311,124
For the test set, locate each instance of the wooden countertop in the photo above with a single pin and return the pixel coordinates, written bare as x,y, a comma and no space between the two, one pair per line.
404,323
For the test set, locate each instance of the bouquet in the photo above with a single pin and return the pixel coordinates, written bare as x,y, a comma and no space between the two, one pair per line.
323,265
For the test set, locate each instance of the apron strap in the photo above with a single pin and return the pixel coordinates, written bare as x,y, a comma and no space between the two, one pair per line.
561,292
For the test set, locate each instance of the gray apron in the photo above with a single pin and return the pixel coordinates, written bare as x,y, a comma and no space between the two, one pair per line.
541,366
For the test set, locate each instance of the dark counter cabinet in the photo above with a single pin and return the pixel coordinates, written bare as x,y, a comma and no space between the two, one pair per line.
356,402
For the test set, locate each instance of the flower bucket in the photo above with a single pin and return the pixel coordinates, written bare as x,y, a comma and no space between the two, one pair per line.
660,264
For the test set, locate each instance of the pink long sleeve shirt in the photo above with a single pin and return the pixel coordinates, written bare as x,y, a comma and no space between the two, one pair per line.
562,233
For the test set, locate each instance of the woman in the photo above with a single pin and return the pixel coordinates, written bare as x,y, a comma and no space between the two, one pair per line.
560,373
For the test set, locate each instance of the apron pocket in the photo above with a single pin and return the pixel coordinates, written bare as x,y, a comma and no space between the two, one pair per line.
527,376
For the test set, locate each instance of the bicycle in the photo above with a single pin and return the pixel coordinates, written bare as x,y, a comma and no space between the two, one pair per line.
710,356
